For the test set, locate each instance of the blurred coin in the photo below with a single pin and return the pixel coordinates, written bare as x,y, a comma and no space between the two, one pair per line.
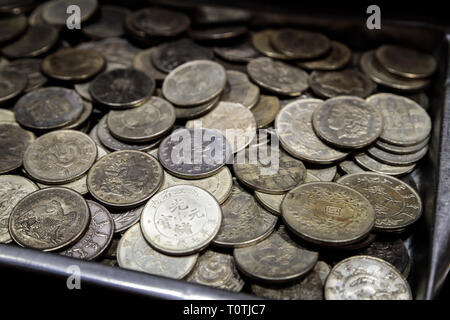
265,110
114,50
239,89
7,116
159,22
12,84
241,67
217,33
35,16
261,41
394,252
397,159
349,167
369,163
11,27
143,61
213,15
420,97
109,23
32,69
241,53
49,219
79,185
402,150
338,57
15,7
84,117
125,219
197,111
55,13
322,172
13,142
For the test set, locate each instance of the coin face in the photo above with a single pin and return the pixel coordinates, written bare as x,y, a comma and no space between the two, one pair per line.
406,62
396,204
295,131
143,61
115,50
133,252
242,53
194,82
197,111
366,278
405,122
397,159
217,270
338,57
347,122
60,156
159,22
55,12
261,42
239,89
277,76
181,220
275,259
369,163
13,142
48,108
12,83
106,25
265,110
97,237
124,178
147,122
328,213
394,252
245,222
49,219
329,84
400,149
125,219
32,69
11,27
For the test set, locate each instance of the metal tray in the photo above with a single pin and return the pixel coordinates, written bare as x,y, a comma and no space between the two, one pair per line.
428,243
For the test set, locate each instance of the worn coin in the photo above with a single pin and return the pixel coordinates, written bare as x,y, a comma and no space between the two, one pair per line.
97,237
13,143
406,62
322,172
79,185
124,178
55,13
32,69
143,61
366,278
277,76
125,219
261,42
11,27
84,117
215,15
394,252
239,89
133,252
122,88
265,110
347,82
7,116
12,189
349,167
194,82
363,243
396,159
294,129
323,269
114,50
347,122
396,204
405,122
49,219
12,84
241,67
217,33
241,53
109,23
217,270
159,22
328,213
181,220
402,150
275,259
197,111
369,163
338,57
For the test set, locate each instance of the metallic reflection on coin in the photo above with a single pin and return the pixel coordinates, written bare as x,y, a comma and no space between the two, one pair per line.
197,111
322,172
349,167
400,149
13,143
397,159
323,269
369,163
125,219
239,89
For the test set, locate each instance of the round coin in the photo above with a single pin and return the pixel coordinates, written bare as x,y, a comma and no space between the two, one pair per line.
14,141
11,27
349,167
108,23
261,42
79,185
402,150
239,89
394,252
143,61
55,13
125,219
266,110
83,119
32,69
240,53
397,159
12,84
197,111
338,57
159,22
369,163
322,172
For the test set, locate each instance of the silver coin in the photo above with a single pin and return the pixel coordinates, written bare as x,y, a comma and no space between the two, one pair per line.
125,219
349,167
322,172
83,119
397,159
239,89
369,163
197,111
399,149
79,185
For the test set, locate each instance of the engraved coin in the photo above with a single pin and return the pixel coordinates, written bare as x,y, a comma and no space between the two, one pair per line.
328,213
405,122
48,108
366,278
144,123
49,219
108,23
347,122
241,53
13,143
194,82
322,172
369,163
125,219
295,131
217,270
275,259
265,110
397,159
394,252
55,12
97,237
143,61
400,149
60,156
338,57
349,167
115,50
261,42
12,189
133,252
277,76
245,222
159,22
406,62
125,178
12,84
32,69
347,82
11,27
396,204
239,89
181,220
122,88
7,116
197,111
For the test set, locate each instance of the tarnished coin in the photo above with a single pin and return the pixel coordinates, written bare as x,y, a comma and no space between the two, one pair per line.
218,270
114,50
14,7
7,116
369,163
79,185
277,76
181,220
275,259
397,159
60,156
347,122
73,64
34,42
194,82
338,57
322,172
14,141
84,117
124,178
214,15
217,33
245,222
109,23
378,74
12,190
405,122
349,167
236,123
170,55
97,237
239,89
396,204
32,69
12,84
134,253
48,108
363,243
347,82
159,22
55,13
300,44
144,123
394,252
323,269
328,213
11,27
197,111
295,131
49,219
241,53
265,110
219,184
400,149
261,41
125,219
366,278
143,61
406,62
122,88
